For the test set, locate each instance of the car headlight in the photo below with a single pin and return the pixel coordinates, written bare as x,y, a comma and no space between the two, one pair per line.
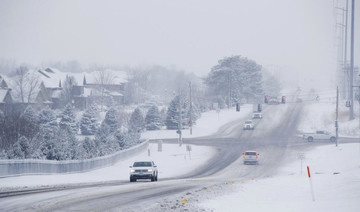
150,170
132,170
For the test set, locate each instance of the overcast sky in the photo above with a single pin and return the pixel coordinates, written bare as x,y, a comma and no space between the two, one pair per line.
189,34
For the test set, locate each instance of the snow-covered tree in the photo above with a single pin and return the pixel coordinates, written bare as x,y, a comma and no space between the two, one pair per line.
68,119
48,123
63,146
195,113
89,148
237,77
15,152
172,118
153,119
88,123
66,93
29,123
111,119
137,122
21,149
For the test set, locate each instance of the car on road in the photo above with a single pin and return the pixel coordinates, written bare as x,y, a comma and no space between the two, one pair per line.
257,115
251,157
248,125
273,101
319,135
143,170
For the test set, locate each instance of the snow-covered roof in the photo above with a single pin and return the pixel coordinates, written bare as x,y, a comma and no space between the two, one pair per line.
3,93
51,77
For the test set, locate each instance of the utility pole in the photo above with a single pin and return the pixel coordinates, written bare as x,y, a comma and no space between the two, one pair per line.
341,55
337,112
180,125
190,110
346,72
229,78
352,62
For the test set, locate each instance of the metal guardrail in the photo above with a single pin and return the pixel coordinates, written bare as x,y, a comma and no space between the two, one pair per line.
9,168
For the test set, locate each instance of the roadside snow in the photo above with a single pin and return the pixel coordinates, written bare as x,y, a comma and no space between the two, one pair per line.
208,124
171,162
322,116
335,173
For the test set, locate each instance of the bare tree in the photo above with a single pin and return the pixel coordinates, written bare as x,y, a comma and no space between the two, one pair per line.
102,78
32,83
26,83
66,94
20,80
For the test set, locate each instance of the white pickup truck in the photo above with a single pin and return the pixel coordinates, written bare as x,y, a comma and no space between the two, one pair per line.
319,135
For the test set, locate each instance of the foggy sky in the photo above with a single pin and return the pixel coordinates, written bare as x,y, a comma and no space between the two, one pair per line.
189,34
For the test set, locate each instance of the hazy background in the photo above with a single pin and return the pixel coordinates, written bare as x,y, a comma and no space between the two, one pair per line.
295,36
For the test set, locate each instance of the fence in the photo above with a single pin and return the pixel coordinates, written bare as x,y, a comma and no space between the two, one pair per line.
10,168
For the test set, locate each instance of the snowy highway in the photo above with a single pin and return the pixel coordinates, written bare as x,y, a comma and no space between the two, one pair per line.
271,138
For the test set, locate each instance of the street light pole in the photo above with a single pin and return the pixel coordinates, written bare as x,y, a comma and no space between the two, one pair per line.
190,110
351,95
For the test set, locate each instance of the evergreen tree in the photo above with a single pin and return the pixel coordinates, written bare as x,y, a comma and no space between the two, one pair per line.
137,122
89,147
29,123
153,119
195,115
172,118
111,120
48,123
15,152
120,136
88,123
68,119
25,146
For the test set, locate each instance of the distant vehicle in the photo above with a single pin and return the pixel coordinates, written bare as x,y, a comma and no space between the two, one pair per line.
319,135
248,125
257,115
251,157
273,101
143,170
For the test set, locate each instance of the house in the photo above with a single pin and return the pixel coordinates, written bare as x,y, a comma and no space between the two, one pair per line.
110,93
53,87
5,97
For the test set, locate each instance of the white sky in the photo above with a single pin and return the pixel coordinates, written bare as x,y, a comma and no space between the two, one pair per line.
189,34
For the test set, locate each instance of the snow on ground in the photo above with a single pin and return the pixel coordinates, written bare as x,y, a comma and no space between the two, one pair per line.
335,174
322,116
171,162
208,123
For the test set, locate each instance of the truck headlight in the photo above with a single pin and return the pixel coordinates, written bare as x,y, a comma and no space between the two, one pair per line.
150,170
132,170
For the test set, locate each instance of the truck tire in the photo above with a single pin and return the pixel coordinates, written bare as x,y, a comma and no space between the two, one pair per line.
310,139
332,139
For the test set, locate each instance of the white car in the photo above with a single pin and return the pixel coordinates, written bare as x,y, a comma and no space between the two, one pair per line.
319,135
251,157
257,115
248,125
143,170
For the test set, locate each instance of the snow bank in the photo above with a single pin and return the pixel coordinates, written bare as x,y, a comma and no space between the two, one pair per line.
322,116
335,173
208,124
171,162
